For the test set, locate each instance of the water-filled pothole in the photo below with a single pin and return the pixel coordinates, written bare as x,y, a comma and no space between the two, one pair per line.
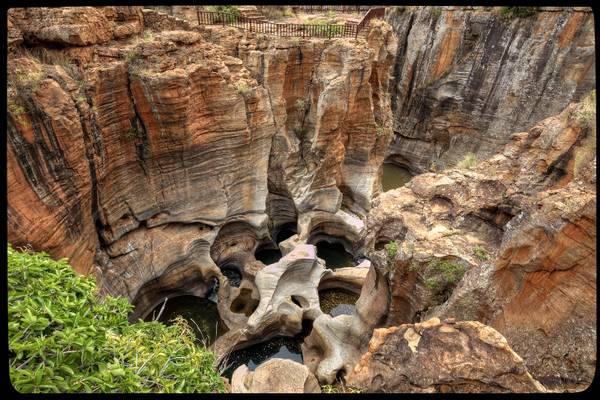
233,274
334,254
253,356
268,256
394,177
337,302
285,232
201,314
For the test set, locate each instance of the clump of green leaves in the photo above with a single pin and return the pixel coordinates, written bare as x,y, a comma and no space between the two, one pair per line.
379,129
480,253
242,87
468,162
517,12
63,338
299,130
442,276
391,249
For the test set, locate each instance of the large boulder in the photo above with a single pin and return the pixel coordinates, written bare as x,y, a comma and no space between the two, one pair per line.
275,376
432,356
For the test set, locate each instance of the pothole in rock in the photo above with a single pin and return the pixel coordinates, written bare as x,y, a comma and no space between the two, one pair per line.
394,176
334,255
201,314
253,356
244,303
337,302
279,347
268,256
285,232
233,274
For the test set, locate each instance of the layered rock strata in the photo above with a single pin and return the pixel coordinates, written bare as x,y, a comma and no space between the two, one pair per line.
461,72
521,227
158,159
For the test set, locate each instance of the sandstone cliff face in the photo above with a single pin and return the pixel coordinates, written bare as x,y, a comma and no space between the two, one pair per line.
522,223
153,159
319,93
465,78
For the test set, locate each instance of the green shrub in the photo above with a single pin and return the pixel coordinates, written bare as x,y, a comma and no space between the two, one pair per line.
379,129
229,13
517,12
299,130
392,249
442,275
242,87
480,253
62,338
468,162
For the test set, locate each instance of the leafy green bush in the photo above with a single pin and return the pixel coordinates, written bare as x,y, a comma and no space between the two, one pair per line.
228,13
299,130
62,338
468,162
517,12
392,249
442,275
480,253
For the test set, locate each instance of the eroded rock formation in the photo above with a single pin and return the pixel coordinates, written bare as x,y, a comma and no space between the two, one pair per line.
432,357
462,72
522,223
152,157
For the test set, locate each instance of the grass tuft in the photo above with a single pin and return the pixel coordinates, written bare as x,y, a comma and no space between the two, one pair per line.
468,162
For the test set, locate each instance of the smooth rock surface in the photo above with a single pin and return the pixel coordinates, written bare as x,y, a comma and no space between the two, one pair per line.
432,356
275,376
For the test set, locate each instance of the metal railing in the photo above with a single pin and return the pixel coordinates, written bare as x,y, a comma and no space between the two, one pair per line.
373,13
339,8
284,29
270,28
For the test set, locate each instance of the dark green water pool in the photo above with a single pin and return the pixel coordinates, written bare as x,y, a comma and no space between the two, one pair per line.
253,356
268,256
201,314
394,177
337,302
335,255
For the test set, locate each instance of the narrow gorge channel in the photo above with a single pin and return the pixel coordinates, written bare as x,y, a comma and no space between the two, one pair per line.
410,208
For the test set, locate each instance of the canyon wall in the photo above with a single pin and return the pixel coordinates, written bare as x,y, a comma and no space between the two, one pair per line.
509,242
133,152
465,78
